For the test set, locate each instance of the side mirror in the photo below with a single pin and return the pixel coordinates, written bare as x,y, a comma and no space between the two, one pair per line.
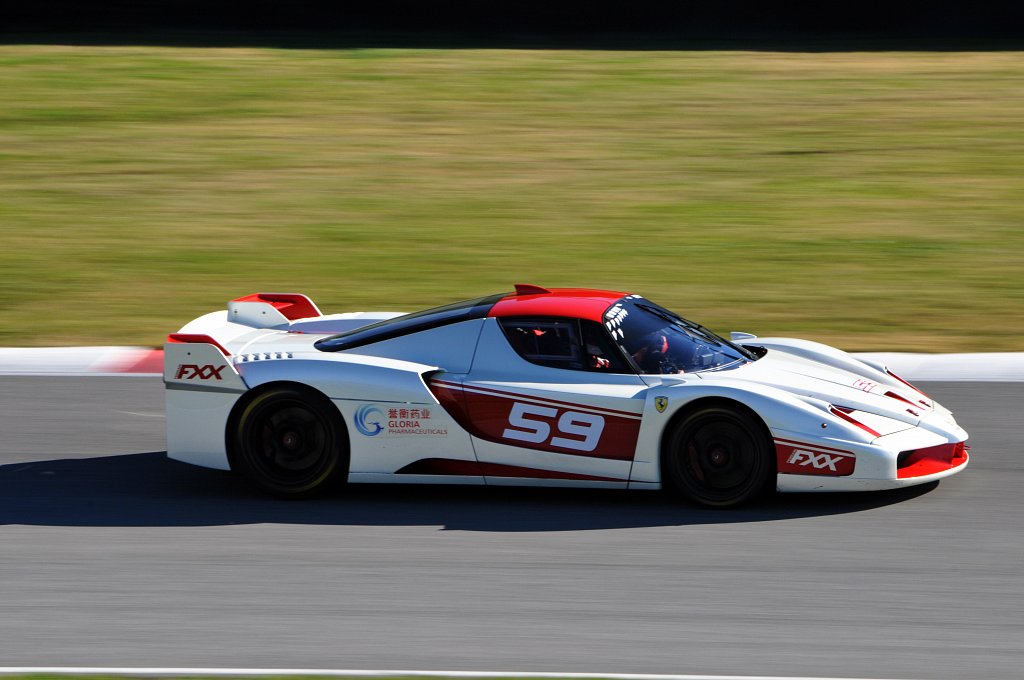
737,336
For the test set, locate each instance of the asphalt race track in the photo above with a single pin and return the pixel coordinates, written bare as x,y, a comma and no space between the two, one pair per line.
111,555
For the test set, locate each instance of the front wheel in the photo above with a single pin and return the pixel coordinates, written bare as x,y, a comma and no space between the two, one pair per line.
291,442
719,457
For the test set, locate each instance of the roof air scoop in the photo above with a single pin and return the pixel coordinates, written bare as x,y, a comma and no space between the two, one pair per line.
528,289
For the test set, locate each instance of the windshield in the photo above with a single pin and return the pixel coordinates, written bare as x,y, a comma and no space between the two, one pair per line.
660,341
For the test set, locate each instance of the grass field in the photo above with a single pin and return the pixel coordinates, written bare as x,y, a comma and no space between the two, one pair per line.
869,200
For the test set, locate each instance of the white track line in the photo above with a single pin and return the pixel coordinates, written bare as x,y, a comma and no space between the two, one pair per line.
86,670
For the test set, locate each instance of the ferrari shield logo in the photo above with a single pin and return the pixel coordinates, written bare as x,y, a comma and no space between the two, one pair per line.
661,403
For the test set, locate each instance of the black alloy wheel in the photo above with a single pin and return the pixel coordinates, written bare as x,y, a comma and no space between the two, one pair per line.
292,443
719,457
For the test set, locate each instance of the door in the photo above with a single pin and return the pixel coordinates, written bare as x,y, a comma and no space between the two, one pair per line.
552,399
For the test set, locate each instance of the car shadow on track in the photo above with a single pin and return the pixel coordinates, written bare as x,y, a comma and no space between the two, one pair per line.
147,489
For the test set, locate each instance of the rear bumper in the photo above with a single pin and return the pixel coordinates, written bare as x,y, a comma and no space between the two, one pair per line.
196,423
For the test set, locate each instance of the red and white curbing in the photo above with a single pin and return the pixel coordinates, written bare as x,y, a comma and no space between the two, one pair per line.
69,361
148,362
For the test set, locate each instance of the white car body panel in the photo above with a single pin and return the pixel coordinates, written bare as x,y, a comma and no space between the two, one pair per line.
199,403
574,426
395,446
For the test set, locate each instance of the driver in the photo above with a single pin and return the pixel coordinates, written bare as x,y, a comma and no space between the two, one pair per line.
653,356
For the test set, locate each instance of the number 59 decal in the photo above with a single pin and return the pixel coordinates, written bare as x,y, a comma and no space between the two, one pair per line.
573,429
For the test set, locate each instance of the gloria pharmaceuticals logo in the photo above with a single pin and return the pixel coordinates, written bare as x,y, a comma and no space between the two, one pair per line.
368,419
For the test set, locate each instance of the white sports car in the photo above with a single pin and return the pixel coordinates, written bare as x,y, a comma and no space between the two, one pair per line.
566,387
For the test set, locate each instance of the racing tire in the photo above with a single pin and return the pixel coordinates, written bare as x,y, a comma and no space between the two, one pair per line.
719,457
291,442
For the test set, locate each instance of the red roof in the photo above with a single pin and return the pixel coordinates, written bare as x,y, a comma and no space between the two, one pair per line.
581,303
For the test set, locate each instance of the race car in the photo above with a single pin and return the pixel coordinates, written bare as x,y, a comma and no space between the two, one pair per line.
552,387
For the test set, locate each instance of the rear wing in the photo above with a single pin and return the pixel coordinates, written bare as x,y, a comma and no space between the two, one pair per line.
261,311
271,310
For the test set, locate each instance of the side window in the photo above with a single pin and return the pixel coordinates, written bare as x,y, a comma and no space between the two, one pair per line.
564,343
602,353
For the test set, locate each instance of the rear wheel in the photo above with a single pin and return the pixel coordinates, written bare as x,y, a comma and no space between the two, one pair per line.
291,442
718,456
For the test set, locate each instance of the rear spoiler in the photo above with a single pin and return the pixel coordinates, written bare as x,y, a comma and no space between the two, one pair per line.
271,310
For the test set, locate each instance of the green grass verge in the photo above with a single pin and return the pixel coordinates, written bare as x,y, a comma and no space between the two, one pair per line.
869,200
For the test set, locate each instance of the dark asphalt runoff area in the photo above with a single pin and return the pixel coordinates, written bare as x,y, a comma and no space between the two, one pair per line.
111,555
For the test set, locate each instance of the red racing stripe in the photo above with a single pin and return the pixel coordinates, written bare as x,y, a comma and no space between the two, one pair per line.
797,459
551,425
544,400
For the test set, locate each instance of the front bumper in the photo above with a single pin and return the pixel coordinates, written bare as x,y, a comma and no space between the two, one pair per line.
915,456
796,483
